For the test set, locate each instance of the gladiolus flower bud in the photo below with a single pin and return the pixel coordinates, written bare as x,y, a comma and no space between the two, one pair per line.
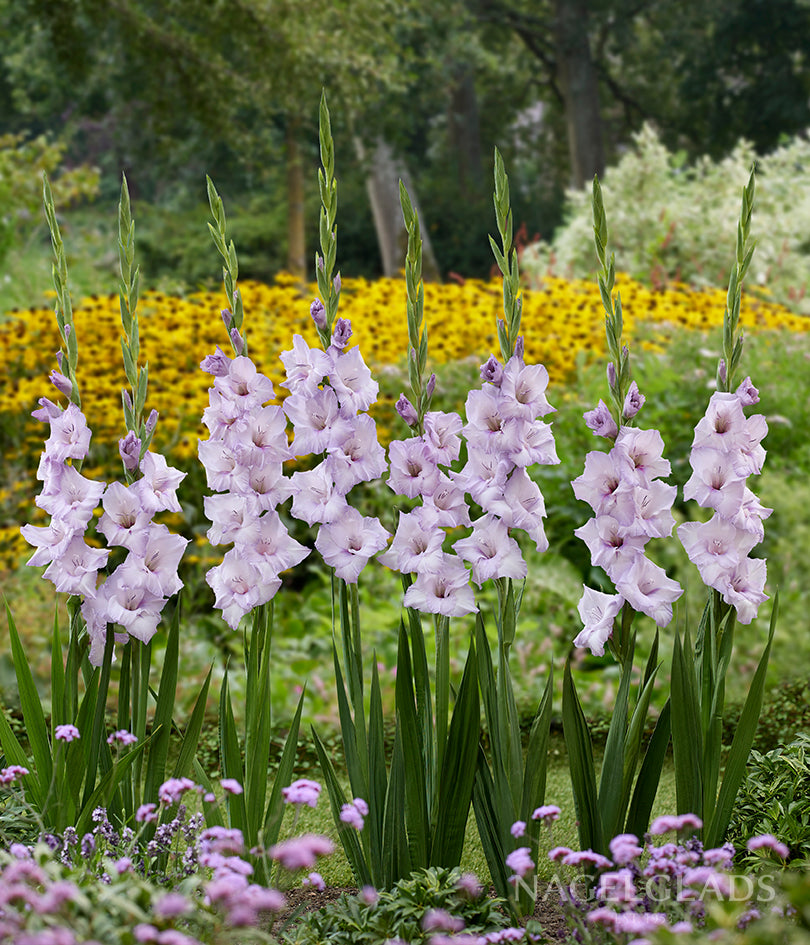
492,371
407,411
431,385
318,313
61,383
611,375
633,402
129,448
151,422
237,340
227,317
341,333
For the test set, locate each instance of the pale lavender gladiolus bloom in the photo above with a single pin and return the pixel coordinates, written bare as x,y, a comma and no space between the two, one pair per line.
491,552
611,547
314,418
417,544
600,421
129,602
315,498
236,584
70,435
47,411
648,590
442,435
524,389
443,591
75,500
158,559
347,544
597,611
232,516
413,469
306,367
745,588
642,452
273,547
715,482
351,380
446,506
160,482
76,570
715,547
50,541
357,455
218,364
125,518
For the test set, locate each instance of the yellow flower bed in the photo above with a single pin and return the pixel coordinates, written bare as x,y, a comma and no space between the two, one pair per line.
559,321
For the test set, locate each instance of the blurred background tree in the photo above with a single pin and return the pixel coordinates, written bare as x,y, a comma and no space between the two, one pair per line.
169,90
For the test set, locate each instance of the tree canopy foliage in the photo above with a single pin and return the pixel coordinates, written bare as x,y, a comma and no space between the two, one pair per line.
168,90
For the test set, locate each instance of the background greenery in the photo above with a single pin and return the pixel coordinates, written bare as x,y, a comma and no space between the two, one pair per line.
686,94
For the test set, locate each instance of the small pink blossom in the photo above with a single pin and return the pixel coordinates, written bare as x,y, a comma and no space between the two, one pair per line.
66,733
302,791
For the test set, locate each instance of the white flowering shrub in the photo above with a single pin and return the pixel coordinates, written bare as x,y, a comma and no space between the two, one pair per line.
673,222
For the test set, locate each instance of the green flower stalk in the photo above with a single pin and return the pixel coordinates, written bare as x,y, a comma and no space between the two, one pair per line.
506,257
139,432
417,329
233,316
68,357
328,285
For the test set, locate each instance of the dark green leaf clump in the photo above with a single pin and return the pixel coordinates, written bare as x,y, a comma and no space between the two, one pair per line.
775,798
399,913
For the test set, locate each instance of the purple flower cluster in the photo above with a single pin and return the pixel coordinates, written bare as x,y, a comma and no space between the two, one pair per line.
725,451
631,506
504,436
329,392
134,595
643,886
243,459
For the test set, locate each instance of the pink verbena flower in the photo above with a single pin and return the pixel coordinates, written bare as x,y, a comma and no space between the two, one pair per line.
302,791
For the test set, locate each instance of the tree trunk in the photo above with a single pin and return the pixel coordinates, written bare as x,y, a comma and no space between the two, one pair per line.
577,79
465,132
296,245
382,183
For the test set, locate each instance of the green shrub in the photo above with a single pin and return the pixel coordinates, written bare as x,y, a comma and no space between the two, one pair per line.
670,221
775,798
400,913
